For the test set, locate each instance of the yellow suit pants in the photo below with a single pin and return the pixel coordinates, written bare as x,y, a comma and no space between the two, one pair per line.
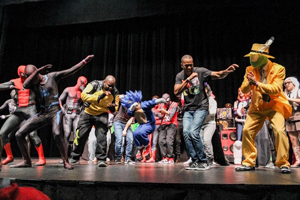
254,122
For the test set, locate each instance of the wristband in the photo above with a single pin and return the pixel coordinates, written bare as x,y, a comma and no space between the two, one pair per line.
188,79
256,83
84,61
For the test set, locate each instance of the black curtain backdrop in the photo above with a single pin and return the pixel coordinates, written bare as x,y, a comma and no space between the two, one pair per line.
144,53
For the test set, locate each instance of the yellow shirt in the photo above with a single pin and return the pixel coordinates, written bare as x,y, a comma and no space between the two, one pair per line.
95,107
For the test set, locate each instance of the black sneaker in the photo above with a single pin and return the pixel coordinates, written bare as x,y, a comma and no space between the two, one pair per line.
285,170
202,166
244,168
101,163
74,161
192,166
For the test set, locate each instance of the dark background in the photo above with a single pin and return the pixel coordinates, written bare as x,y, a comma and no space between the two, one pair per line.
141,42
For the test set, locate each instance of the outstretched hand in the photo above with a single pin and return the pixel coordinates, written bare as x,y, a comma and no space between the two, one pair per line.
232,68
45,69
89,58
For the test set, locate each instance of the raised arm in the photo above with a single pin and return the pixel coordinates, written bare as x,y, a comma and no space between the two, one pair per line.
222,74
64,73
34,74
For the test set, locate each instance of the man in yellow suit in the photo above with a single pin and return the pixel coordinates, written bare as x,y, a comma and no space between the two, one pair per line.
99,97
268,101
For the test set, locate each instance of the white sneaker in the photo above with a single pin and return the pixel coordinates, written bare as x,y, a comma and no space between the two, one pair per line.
188,162
129,162
270,165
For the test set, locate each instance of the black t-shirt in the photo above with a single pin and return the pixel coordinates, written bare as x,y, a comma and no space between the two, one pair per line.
194,96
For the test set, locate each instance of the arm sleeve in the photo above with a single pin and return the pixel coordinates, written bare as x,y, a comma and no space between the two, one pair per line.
88,95
276,85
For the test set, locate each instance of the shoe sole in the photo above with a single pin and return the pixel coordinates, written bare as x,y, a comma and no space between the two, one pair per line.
201,169
102,165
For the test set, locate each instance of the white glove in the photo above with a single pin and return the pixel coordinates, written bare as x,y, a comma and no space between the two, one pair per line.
2,116
161,100
132,107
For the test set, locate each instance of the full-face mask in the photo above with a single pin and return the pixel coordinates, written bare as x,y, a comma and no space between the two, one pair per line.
81,83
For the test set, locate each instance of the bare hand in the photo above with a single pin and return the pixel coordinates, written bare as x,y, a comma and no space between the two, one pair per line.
193,75
124,133
107,92
45,69
89,58
251,78
232,68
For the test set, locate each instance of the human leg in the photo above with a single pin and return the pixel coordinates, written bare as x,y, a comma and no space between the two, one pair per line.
129,144
171,131
118,128
178,141
101,129
83,129
154,143
9,126
30,125
198,119
209,130
253,124
162,141
56,119
281,140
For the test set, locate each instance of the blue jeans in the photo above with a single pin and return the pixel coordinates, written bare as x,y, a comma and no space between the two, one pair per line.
192,122
119,127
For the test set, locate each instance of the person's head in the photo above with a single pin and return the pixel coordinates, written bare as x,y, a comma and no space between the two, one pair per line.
167,97
21,72
155,97
81,83
187,64
259,55
291,83
29,70
132,97
109,83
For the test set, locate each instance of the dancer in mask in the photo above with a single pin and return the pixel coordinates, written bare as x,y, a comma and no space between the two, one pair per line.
46,88
265,79
71,105
141,111
25,109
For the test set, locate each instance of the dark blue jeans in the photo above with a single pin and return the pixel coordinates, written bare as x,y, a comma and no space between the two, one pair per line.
192,122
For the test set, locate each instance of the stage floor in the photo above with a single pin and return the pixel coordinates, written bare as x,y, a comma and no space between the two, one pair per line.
154,181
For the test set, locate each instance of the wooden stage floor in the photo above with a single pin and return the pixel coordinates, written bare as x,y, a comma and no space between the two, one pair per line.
154,181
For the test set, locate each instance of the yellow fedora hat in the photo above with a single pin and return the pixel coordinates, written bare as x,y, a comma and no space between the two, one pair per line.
257,48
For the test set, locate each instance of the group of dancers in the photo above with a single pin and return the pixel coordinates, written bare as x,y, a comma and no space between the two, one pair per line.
264,79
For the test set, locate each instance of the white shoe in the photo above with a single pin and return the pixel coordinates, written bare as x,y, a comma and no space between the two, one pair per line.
189,161
270,165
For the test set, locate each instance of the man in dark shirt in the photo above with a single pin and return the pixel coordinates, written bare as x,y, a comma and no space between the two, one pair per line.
190,81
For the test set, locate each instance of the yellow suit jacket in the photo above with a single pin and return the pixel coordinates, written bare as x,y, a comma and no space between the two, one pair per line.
273,87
